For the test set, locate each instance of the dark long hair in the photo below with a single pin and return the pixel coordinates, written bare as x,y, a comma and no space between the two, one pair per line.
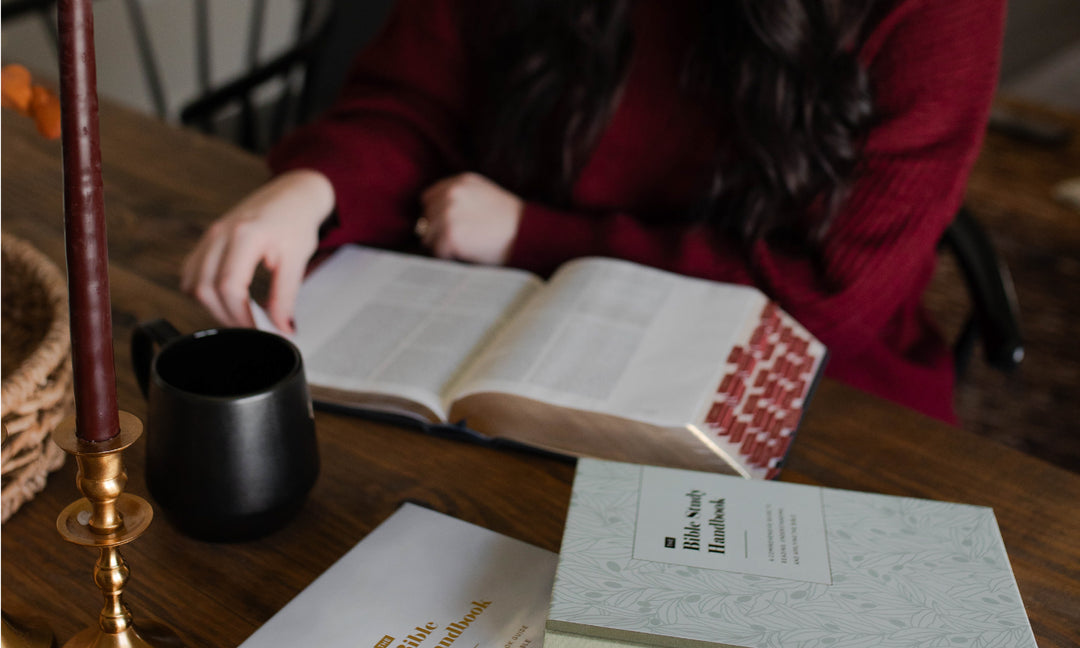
785,72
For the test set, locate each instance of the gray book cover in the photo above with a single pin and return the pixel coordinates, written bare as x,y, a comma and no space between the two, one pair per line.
666,557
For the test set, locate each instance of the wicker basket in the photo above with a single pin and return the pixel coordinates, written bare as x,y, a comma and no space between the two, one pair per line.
36,356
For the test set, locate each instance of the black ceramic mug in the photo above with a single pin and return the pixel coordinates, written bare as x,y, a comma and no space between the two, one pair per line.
230,441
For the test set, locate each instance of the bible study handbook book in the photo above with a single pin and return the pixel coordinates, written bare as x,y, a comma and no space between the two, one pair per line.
665,557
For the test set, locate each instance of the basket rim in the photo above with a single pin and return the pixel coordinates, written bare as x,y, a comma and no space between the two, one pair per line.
56,344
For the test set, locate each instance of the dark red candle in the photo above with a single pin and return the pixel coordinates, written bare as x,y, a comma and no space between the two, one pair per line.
96,416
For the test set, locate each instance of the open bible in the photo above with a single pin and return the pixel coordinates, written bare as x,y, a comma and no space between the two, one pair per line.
606,359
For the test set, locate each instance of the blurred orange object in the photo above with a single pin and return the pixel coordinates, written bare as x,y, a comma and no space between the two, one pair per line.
45,108
36,101
15,82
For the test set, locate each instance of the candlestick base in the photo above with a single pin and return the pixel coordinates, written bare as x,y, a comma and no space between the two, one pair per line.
149,635
108,518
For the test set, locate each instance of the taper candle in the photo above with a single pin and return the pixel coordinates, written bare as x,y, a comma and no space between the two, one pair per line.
84,216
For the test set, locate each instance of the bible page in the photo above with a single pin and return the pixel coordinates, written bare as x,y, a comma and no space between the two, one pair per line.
618,338
372,321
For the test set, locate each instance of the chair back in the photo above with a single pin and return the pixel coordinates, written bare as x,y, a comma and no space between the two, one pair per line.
995,316
272,91
267,98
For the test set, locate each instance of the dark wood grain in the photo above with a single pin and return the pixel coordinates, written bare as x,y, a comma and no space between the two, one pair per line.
163,186
1011,192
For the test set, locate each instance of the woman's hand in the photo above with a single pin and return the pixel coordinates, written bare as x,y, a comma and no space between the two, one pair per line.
469,218
276,226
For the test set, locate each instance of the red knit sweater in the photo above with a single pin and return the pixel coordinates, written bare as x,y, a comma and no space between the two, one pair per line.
398,127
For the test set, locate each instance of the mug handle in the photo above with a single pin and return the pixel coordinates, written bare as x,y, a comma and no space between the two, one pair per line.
143,340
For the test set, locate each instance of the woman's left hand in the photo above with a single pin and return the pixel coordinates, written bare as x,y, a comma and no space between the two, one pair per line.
469,218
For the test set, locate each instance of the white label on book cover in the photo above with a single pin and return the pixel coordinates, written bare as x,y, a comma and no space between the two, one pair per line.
751,527
421,580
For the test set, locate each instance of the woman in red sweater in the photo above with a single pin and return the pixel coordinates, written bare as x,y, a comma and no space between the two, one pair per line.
814,148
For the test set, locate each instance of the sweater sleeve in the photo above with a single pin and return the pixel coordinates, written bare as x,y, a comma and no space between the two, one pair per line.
394,129
933,68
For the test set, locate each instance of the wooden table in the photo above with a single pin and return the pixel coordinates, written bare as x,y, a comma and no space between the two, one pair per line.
163,186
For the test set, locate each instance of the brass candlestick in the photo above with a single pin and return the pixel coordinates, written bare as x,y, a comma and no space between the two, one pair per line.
107,518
